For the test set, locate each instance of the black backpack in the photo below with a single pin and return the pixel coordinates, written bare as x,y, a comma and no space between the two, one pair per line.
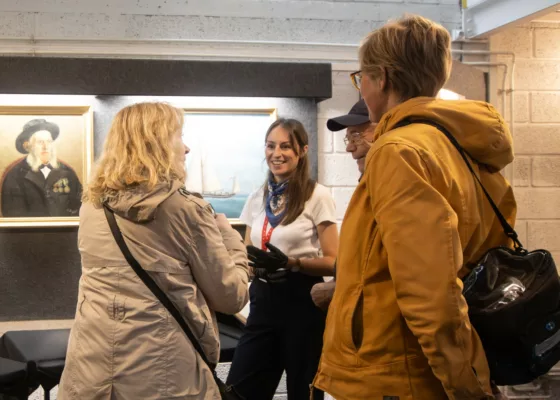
514,301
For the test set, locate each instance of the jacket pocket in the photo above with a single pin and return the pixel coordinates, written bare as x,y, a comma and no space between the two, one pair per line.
358,322
81,302
116,308
352,321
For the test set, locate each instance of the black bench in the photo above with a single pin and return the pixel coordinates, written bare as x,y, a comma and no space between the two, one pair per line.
14,382
231,330
36,357
45,349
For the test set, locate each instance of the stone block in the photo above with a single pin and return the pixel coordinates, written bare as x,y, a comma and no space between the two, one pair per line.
546,171
518,40
536,139
337,170
325,136
537,75
538,203
520,107
547,41
545,106
342,196
522,171
544,235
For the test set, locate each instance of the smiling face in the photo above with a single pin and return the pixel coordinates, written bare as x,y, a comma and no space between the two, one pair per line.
359,139
281,154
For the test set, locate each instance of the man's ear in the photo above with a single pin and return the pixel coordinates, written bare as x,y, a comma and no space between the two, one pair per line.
383,80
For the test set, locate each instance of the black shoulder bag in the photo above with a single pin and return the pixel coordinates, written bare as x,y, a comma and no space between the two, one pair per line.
514,301
227,392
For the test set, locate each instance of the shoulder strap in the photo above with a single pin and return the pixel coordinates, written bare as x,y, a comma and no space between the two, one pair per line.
154,288
508,230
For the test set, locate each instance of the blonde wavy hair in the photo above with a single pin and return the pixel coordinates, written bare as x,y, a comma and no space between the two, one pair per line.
414,53
137,152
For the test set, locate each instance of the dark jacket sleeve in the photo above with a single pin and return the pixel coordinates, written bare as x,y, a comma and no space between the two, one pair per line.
13,201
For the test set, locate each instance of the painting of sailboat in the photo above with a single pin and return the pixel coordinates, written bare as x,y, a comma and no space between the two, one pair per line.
226,159
202,178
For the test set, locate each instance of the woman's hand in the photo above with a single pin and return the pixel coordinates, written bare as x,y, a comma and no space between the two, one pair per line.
272,260
269,266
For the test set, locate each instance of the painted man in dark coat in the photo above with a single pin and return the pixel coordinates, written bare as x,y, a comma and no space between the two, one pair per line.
39,185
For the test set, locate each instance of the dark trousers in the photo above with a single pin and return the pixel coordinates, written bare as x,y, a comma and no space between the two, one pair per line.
284,332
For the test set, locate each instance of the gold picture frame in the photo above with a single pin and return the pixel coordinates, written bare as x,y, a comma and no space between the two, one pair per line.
59,138
226,148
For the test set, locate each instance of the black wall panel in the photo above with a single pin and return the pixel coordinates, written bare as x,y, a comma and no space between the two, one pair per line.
40,267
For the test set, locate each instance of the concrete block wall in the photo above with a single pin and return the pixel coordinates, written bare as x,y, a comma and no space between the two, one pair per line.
337,169
536,172
319,21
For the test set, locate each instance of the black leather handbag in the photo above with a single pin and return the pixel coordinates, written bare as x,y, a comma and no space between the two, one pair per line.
226,391
514,301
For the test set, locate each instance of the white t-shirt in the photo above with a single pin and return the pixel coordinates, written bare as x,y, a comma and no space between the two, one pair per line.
298,239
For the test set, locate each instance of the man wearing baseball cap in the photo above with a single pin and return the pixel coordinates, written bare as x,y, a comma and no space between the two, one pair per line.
358,140
359,131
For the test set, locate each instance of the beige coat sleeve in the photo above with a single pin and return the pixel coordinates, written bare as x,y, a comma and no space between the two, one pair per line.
419,230
218,260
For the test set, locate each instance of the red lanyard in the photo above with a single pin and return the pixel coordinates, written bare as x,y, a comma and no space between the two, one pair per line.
265,237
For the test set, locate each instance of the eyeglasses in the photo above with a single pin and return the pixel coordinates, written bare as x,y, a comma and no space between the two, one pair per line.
355,138
356,78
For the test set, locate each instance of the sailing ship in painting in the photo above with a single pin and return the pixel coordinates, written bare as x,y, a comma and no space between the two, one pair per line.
202,178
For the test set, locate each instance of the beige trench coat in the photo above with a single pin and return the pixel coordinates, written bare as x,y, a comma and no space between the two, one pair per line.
124,344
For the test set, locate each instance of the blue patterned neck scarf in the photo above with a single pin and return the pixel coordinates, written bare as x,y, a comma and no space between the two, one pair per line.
276,202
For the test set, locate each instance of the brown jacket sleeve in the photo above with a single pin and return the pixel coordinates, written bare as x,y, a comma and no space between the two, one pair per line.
218,261
420,233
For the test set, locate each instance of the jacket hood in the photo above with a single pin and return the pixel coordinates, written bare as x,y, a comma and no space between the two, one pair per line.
139,205
477,126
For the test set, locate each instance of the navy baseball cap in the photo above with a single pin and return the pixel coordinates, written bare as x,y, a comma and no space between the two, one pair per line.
357,115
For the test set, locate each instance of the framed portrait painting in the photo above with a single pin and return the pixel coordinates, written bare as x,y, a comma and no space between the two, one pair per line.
45,158
226,162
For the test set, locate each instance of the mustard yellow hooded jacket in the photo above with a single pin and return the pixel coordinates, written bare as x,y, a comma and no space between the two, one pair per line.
398,327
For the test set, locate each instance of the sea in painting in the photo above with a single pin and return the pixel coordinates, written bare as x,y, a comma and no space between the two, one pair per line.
231,207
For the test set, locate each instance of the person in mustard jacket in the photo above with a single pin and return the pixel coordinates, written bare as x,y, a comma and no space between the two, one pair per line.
398,327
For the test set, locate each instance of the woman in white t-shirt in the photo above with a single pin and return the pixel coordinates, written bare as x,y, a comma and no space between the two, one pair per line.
294,218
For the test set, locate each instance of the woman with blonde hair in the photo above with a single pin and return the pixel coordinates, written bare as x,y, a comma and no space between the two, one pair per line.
124,343
398,326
